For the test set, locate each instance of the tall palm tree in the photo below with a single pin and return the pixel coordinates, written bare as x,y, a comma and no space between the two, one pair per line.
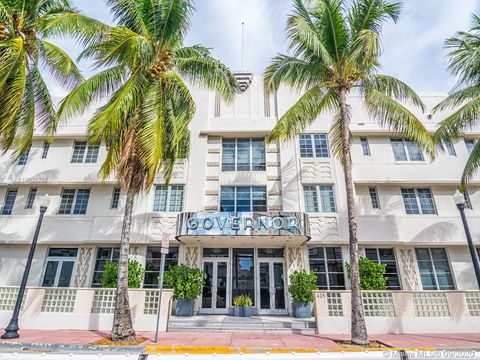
25,100
148,108
465,97
335,51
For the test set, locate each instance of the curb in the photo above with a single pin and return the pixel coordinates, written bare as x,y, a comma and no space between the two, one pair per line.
69,348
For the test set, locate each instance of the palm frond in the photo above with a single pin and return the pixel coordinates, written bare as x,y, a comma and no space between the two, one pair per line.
471,167
397,117
171,21
331,22
304,112
128,14
335,135
371,14
458,98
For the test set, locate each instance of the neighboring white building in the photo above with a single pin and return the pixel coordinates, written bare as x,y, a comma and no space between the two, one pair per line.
406,215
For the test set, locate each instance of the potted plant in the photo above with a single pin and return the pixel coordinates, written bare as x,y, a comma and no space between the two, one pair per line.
187,284
242,306
302,285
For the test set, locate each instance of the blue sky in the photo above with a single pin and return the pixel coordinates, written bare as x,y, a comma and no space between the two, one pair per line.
413,48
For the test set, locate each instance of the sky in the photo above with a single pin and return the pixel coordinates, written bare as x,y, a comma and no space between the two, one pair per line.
413,48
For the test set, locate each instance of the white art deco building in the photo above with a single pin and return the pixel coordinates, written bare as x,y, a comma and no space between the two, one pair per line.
247,213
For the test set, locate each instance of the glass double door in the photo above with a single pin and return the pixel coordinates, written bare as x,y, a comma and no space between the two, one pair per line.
215,296
271,286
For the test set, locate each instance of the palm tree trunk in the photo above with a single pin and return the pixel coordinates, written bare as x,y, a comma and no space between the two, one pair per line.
122,329
359,329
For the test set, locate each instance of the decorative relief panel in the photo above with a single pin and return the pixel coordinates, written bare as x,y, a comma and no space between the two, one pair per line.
214,151
211,208
295,259
272,150
315,171
213,164
275,208
82,272
179,171
211,192
323,226
192,256
212,178
159,225
409,269
273,164
275,193
274,178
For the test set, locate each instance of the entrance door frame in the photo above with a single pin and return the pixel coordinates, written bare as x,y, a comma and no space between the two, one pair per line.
213,310
271,311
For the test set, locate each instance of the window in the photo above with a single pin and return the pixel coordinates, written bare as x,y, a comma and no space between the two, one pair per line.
434,269
327,264
168,199
312,194
314,145
418,201
374,197
59,269
79,197
386,257
152,265
9,201
243,155
103,255
115,198
470,144
243,199
84,153
46,147
468,201
406,150
365,146
450,148
31,198
22,160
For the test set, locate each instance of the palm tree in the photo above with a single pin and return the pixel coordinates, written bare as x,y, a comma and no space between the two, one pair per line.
25,100
465,98
148,108
335,51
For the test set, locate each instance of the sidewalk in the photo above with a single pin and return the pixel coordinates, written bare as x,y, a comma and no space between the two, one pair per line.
207,342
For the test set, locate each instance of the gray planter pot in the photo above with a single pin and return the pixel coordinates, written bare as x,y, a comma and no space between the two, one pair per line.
237,311
301,310
246,311
184,307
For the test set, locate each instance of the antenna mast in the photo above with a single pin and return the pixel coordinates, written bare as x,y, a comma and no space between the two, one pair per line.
243,46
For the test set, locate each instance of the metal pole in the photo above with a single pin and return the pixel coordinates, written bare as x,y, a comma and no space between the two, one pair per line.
160,288
11,331
473,254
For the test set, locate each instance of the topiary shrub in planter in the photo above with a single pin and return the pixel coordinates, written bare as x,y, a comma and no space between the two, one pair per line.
372,274
135,275
187,284
242,306
302,285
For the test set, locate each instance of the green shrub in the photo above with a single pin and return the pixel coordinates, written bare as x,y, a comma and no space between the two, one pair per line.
186,282
242,300
302,285
135,275
372,274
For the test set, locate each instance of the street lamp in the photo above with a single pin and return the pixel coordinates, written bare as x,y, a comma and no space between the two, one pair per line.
459,199
11,331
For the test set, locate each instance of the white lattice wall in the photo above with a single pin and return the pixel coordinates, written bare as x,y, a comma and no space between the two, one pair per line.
431,304
59,300
151,302
104,301
8,297
334,301
473,302
378,304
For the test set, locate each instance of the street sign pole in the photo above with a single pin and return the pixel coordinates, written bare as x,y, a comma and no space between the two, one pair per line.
164,252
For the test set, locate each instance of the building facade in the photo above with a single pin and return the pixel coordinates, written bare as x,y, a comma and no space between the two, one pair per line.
246,212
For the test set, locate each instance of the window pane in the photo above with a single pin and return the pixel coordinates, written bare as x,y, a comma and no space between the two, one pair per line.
160,201
46,147
82,201
65,274
152,265
371,254
470,144
414,152
62,252
67,201
410,201
176,198
50,274
365,146
398,150
426,201
259,199
374,197
243,199
228,155
450,148
306,148
227,199
321,145
311,200
9,202
22,160
327,199
258,155
243,155
79,151
115,198
31,198
92,154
